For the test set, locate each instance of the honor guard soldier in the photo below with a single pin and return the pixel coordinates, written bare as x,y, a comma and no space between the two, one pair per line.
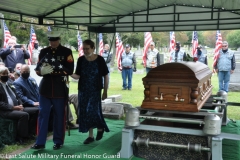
178,55
55,63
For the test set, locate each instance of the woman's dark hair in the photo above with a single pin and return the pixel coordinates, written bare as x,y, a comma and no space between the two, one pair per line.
89,42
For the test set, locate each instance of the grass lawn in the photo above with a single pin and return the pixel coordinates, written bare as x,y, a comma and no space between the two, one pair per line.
135,96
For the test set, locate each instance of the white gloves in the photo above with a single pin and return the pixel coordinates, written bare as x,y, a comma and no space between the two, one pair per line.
46,69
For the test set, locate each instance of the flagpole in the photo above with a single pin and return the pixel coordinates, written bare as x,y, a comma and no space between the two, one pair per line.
2,29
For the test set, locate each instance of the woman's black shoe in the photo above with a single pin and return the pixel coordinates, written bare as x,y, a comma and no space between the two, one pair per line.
36,146
57,146
99,135
88,140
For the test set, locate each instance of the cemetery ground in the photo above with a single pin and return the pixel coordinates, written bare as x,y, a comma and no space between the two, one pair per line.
134,97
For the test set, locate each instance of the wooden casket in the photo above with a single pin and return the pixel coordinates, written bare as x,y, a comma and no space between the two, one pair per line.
183,86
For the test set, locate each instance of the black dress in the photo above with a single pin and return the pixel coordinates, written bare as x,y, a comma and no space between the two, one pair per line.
89,97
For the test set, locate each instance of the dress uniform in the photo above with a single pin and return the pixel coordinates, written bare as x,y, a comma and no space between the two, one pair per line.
55,63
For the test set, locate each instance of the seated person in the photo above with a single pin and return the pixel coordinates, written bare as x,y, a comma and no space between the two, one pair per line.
10,75
27,88
16,74
11,108
17,69
73,99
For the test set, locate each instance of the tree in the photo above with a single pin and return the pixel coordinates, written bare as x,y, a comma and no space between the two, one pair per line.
233,38
209,38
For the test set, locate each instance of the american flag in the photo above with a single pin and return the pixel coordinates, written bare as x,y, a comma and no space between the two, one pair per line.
218,46
172,43
7,35
147,41
194,43
100,44
80,45
119,50
32,39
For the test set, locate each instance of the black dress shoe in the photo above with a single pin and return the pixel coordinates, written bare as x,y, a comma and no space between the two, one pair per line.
57,146
88,140
99,135
36,146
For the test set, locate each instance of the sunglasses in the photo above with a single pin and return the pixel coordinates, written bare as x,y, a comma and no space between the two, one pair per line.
224,46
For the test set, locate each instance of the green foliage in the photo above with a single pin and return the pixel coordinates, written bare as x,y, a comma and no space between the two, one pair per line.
73,42
233,38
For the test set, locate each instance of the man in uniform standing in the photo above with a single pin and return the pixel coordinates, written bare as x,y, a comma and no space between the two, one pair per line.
55,63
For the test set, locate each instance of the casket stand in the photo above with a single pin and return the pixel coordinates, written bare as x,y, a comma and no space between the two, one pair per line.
181,119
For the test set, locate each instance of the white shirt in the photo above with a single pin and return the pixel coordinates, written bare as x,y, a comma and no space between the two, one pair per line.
8,96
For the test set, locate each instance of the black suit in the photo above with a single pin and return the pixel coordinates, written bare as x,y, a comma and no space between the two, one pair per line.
27,116
9,58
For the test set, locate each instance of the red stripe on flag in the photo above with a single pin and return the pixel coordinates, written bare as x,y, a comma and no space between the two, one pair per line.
32,40
172,43
119,50
80,45
218,46
100,44
194,43
147,41
7,35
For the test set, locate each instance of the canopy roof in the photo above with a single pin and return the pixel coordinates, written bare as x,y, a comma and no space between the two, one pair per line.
128,15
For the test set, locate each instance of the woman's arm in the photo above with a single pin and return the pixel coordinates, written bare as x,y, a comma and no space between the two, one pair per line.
106,79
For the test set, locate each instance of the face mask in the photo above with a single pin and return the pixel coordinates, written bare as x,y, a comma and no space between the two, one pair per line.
88,55
25,75
4,78
18,72
36,46
199,52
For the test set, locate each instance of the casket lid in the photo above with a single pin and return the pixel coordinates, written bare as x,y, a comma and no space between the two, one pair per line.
179,71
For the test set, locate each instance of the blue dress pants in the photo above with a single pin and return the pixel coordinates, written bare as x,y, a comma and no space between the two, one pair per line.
59,119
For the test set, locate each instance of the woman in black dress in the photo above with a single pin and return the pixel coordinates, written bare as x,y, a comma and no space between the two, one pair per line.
90,70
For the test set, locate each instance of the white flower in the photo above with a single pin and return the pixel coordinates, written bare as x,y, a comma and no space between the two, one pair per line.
12,86
33,82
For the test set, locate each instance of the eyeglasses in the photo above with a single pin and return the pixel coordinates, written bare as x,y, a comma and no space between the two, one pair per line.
151,45
86,48
224,46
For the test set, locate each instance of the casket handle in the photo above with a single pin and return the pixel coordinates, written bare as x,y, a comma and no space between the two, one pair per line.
176,98
161,97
